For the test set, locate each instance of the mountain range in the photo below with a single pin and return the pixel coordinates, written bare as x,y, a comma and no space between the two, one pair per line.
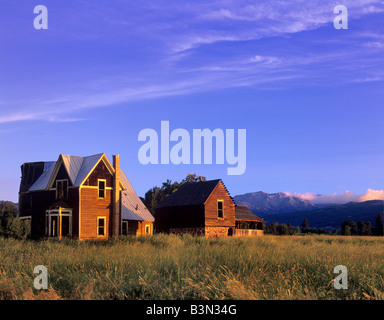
282,208
262,203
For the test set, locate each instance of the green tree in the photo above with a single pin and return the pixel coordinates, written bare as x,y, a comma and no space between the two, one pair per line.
304,225
156,195
290,229
349,227
296,230
378,230
364,228
10,224
346,231
283,229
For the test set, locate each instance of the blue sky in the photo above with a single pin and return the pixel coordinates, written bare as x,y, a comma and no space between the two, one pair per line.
310,97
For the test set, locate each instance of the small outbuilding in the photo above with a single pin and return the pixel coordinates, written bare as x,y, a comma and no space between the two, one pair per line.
199,208
247,223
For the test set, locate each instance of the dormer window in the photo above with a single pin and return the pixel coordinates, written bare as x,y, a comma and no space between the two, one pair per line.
102,185
61,189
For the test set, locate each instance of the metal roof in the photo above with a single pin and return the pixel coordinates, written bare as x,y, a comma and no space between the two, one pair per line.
86,166
243,213
78,169
132,206
190,194
42,182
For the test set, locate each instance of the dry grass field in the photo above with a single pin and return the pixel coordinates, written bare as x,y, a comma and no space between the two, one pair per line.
172,267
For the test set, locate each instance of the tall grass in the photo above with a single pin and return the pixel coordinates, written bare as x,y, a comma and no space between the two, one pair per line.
173,267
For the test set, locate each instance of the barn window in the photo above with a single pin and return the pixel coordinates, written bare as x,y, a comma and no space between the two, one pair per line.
124,228
101,184
61,189
101,222
220,209
147,229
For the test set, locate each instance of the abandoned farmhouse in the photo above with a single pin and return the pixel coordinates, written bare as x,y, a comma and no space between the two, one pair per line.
82,197
89,198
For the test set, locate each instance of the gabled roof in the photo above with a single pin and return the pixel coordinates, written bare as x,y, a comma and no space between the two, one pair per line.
243,213
78,169
190,194
132,206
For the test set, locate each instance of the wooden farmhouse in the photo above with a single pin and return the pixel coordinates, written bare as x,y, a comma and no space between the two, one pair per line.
86,198
205,208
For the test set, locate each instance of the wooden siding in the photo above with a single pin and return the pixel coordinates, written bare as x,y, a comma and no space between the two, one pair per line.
211,217
91,207
61,175
100,172
141,228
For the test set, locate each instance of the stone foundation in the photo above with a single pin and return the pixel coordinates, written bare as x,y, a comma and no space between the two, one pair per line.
211,232
192,231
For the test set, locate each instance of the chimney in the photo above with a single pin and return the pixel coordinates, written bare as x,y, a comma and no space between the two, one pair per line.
116,212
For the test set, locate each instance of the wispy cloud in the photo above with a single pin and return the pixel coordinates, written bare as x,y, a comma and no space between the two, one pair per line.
192,47
337,198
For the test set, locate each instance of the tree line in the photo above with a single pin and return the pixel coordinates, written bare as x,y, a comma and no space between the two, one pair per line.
10,224
348,228
156,195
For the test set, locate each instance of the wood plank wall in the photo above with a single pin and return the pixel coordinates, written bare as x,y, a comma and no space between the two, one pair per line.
211,218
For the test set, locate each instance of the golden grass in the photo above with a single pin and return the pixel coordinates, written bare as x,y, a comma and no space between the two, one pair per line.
172,267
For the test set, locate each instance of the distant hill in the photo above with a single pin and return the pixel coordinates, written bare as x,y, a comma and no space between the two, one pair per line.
263,204
332,217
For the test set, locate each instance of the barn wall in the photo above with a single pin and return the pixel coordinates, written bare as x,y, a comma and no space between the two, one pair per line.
211,218
179,217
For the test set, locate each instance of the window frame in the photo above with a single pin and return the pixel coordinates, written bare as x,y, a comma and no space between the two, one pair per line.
62,189
98,188
104,227
124,222
222,209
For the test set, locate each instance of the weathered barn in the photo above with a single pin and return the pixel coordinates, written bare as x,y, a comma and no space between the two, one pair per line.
199,208
247,223
81,197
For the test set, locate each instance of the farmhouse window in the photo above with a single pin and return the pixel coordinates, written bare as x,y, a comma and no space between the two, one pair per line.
101,188
61,189
220,209
124,230
101,226
147,229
